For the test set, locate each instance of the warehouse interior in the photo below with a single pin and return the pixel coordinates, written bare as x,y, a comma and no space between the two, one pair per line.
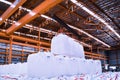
28,26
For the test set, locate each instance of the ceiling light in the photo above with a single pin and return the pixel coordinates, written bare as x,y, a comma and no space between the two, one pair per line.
32,13
27,25
3,30
28,10
14,21
9,3
47,17
96,16
17,33
4,1
0,19
12,6
17,23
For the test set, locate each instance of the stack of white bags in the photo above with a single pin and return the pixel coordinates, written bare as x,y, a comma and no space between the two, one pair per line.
64,45
70,60
44,64
68,64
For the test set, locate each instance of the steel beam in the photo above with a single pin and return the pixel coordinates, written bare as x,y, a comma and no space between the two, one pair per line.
10,52
40,9
11,10
22,44
25,39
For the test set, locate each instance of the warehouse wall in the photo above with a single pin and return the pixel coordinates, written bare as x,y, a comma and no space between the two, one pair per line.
16,49
114,57
103,53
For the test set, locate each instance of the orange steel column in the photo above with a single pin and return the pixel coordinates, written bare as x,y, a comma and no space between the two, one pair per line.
22,56
11,10
10,51
39,40
6,57
40,9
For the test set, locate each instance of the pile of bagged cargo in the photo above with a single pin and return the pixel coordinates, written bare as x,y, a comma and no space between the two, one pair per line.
19,72
66,61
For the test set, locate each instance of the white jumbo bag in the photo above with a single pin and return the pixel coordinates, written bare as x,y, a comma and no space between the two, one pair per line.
15,67
24,70
67,66
72,46
19,69
76,49
74,66
41,65
82,66
0,69
7,69
12,67
64,45
60,65
98,67
80,50
91,68
79,63
59,45
32,63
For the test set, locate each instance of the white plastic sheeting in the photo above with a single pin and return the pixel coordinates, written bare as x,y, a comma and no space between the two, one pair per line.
64,45
47,65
